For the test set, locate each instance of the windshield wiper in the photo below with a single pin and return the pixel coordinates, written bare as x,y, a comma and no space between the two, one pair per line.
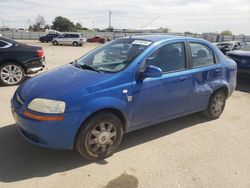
84,66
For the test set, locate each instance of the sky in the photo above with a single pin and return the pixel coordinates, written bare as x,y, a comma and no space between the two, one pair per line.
179,15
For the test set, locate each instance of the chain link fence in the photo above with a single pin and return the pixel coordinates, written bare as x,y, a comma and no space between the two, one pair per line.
26,35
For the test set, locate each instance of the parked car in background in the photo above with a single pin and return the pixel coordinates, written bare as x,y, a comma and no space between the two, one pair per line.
49,37
226,47
242,58
92,102
18,60
74,39
98,39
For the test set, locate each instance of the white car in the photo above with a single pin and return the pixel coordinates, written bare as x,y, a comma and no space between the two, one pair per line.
74,39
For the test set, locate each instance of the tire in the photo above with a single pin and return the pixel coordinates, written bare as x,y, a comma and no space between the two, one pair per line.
11,74
216,105
55,43
75,44
99,137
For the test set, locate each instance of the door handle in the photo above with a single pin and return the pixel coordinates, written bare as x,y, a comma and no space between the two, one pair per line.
218,72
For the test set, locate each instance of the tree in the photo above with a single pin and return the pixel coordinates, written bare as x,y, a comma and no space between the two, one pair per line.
62,24
47,26
165,30
39,24
78,26
187,33
226,32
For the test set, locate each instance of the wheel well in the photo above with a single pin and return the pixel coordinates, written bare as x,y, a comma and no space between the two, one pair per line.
13,61
224,89
116,112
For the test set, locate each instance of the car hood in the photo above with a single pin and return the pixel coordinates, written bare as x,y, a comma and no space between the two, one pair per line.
240,53
58,82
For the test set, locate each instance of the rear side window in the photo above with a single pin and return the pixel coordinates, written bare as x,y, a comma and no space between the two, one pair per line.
74,36
201,55
3,44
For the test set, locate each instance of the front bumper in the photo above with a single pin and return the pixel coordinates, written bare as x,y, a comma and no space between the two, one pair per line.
50,134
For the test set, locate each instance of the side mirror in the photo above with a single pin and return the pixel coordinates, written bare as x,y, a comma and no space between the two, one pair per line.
151,72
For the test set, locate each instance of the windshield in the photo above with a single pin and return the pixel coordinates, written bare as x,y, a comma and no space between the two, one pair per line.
113,56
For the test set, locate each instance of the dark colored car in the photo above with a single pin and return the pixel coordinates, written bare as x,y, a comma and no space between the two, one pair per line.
48,37
242,58
226,47
120,87
18,60
97,39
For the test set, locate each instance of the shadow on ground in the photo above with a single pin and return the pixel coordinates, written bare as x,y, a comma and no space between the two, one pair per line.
20,160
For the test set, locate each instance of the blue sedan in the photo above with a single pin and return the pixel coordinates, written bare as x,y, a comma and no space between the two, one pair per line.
120,87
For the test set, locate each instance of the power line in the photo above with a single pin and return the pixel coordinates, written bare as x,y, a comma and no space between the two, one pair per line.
150,22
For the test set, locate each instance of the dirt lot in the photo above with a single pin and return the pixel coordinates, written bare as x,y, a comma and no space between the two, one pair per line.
186,152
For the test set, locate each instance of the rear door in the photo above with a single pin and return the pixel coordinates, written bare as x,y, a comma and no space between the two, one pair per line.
67,39
206,74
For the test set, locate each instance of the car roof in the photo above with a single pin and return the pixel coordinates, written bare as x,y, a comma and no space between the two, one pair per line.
156,38
9,40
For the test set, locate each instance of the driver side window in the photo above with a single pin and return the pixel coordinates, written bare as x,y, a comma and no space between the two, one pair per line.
169,58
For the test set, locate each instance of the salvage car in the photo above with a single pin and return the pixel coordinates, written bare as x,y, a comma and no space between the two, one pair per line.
98,39
75,39
242,58
226,47
18,60
89,104
49,37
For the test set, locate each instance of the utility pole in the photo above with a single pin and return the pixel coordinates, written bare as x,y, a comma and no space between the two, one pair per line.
110,19
29,24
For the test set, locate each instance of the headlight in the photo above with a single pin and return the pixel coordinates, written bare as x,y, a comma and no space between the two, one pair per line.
47,106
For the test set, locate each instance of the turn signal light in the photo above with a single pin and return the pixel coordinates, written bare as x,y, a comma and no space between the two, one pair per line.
43,118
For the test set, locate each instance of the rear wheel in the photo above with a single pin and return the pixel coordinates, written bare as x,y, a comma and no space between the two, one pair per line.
100,136
216,105
55,43
75,44
11,74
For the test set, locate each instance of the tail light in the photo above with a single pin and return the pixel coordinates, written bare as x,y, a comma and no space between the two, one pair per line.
39,53
81,39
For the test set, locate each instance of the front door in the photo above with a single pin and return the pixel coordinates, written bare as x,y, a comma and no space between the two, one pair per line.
158,98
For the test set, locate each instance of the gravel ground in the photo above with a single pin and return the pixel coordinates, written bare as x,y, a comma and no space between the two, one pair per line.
186,152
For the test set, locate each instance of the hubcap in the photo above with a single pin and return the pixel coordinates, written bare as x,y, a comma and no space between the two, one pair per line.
217,104
11,74
102,137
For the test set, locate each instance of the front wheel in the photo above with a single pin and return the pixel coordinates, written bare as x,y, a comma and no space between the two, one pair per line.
55,43
11,74
216,105
100,136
